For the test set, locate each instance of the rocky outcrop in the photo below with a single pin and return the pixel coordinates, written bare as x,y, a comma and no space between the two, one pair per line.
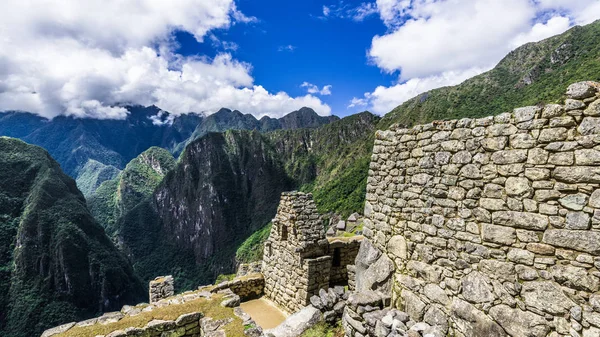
490,224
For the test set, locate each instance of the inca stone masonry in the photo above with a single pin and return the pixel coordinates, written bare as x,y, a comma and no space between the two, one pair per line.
488,227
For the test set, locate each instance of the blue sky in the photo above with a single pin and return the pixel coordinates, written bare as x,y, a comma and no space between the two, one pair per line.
326,51
89,58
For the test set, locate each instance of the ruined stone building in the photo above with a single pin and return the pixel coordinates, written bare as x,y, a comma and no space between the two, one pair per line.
298,259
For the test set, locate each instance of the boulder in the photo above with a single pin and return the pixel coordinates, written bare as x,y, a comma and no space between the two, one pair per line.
297,323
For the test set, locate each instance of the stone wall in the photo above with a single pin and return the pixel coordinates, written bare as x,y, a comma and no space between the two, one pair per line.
193,324
246,287
343,252
294,260
161,288
492,222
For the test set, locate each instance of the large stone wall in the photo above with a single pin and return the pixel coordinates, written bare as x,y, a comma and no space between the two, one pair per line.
491,223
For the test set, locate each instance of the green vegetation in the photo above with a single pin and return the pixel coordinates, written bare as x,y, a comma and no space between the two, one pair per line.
224,277
137,182
331,161
210,308
323,329
93,174
64,264
536,73
251,250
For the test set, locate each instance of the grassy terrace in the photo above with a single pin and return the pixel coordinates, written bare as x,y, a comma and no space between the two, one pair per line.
209,307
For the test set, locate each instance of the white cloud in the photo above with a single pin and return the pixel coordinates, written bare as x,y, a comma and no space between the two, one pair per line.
432,43
289,48
540,31
383,99
314,89
346,11
85,58
450,35
358,102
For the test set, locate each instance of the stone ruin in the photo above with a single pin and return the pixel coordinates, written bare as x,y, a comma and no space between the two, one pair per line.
161,288
298,259
484,227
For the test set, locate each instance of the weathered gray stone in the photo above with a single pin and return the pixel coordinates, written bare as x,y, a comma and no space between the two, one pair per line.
581,90
518,187
589,126
537,156
57,330
476,288
436,294
585,241
577,174
525,113
552,135
574,277
518,322
522,141
472,322
593,109
574,201
498,234
297,323
509,157
577,220
368,254
520,256
413,305
494,143
546,296
523,220
397,247
587,156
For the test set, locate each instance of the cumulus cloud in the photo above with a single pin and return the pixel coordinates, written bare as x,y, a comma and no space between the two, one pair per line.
383,99
88,58
313,89
432,43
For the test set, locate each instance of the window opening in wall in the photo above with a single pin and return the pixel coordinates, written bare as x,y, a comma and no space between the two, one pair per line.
337,257
284,233
269,250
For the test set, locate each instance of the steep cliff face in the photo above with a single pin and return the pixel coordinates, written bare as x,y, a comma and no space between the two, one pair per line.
56,262
135,184
225,186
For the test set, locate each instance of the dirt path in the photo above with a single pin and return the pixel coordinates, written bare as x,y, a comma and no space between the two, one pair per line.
264,312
